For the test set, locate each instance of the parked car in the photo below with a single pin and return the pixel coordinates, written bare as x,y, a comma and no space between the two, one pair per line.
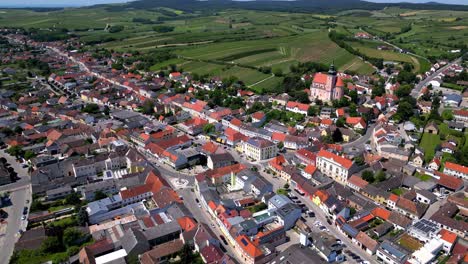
223,239
25,210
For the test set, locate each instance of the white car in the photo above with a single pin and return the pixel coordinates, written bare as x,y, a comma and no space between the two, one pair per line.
23,217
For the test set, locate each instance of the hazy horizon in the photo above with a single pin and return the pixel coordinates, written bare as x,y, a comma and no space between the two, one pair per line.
78,3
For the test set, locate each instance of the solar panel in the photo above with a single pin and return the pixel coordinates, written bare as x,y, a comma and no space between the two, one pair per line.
244,242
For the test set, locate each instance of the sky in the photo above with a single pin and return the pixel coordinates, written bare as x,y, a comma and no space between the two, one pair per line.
74,3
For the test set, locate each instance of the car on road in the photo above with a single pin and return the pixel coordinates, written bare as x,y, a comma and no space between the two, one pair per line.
27,201
323,228
213,225
196,200
25,210
23,217
311,214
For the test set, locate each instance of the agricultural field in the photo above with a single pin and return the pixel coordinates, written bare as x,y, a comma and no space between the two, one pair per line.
427,33
429,143
247,40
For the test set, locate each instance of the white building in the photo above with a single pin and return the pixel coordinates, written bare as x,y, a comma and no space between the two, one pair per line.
334,166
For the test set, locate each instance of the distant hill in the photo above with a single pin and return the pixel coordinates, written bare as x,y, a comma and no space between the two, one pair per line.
327,6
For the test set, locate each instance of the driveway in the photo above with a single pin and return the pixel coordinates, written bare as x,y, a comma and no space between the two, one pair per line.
20,191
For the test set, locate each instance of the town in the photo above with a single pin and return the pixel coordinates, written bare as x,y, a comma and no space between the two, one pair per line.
105,163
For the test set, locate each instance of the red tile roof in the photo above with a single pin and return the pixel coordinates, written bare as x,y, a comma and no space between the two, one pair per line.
381,213
302,107
456,167
358,181
310,169
277,162
135,191
450,182
248,247
448,236
187,223
342,161
210,147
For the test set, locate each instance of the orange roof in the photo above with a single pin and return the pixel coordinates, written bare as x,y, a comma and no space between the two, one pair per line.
381,213
220,172
277,162
210,147
340,111
448,181
277,136
448,236
258,115
342,161
339,82
393,197
326,121
355,120
135,191
358,181
187,223
248,247
310,169
212,205
320,78
302,107
236,122
322,195
456,167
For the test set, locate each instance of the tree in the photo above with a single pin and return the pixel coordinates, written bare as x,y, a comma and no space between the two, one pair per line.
447,114
340,122
312,111
404,111
82,216
91,109
280,145
99,195
208,128
368,176
16,151
337,136
71,236
148,107
51,245
73,199
29,155
380,176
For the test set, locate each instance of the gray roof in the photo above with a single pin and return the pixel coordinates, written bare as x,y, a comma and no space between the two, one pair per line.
162,230
59,190
132,238
279,200
297,254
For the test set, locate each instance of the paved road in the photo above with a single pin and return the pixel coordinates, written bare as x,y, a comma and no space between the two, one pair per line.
20,191
417,89
320,216
359,144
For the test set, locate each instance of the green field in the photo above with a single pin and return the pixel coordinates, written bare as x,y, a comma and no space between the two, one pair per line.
249,39
429,143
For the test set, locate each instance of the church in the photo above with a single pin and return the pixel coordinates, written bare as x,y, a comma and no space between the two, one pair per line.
327,86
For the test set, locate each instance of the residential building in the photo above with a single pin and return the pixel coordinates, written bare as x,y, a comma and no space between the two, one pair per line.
259,149
334,166
456,170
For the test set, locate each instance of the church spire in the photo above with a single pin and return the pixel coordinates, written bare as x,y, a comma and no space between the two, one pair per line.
332,70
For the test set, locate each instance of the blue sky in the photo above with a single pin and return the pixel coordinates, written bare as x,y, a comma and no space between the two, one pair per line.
68,3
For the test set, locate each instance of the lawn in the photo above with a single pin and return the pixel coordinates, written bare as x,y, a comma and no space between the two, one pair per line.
429,143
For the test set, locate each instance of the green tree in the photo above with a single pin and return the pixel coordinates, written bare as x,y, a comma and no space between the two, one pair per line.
312,111
280,145
380,176
340,122
16,151
51,245
148,107
337,136
71,236
29,155
98,195
368,176
83,216
73,199
447,114
208,128
91,109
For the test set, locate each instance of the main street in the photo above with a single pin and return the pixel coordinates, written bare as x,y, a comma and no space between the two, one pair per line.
417,89
20,191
